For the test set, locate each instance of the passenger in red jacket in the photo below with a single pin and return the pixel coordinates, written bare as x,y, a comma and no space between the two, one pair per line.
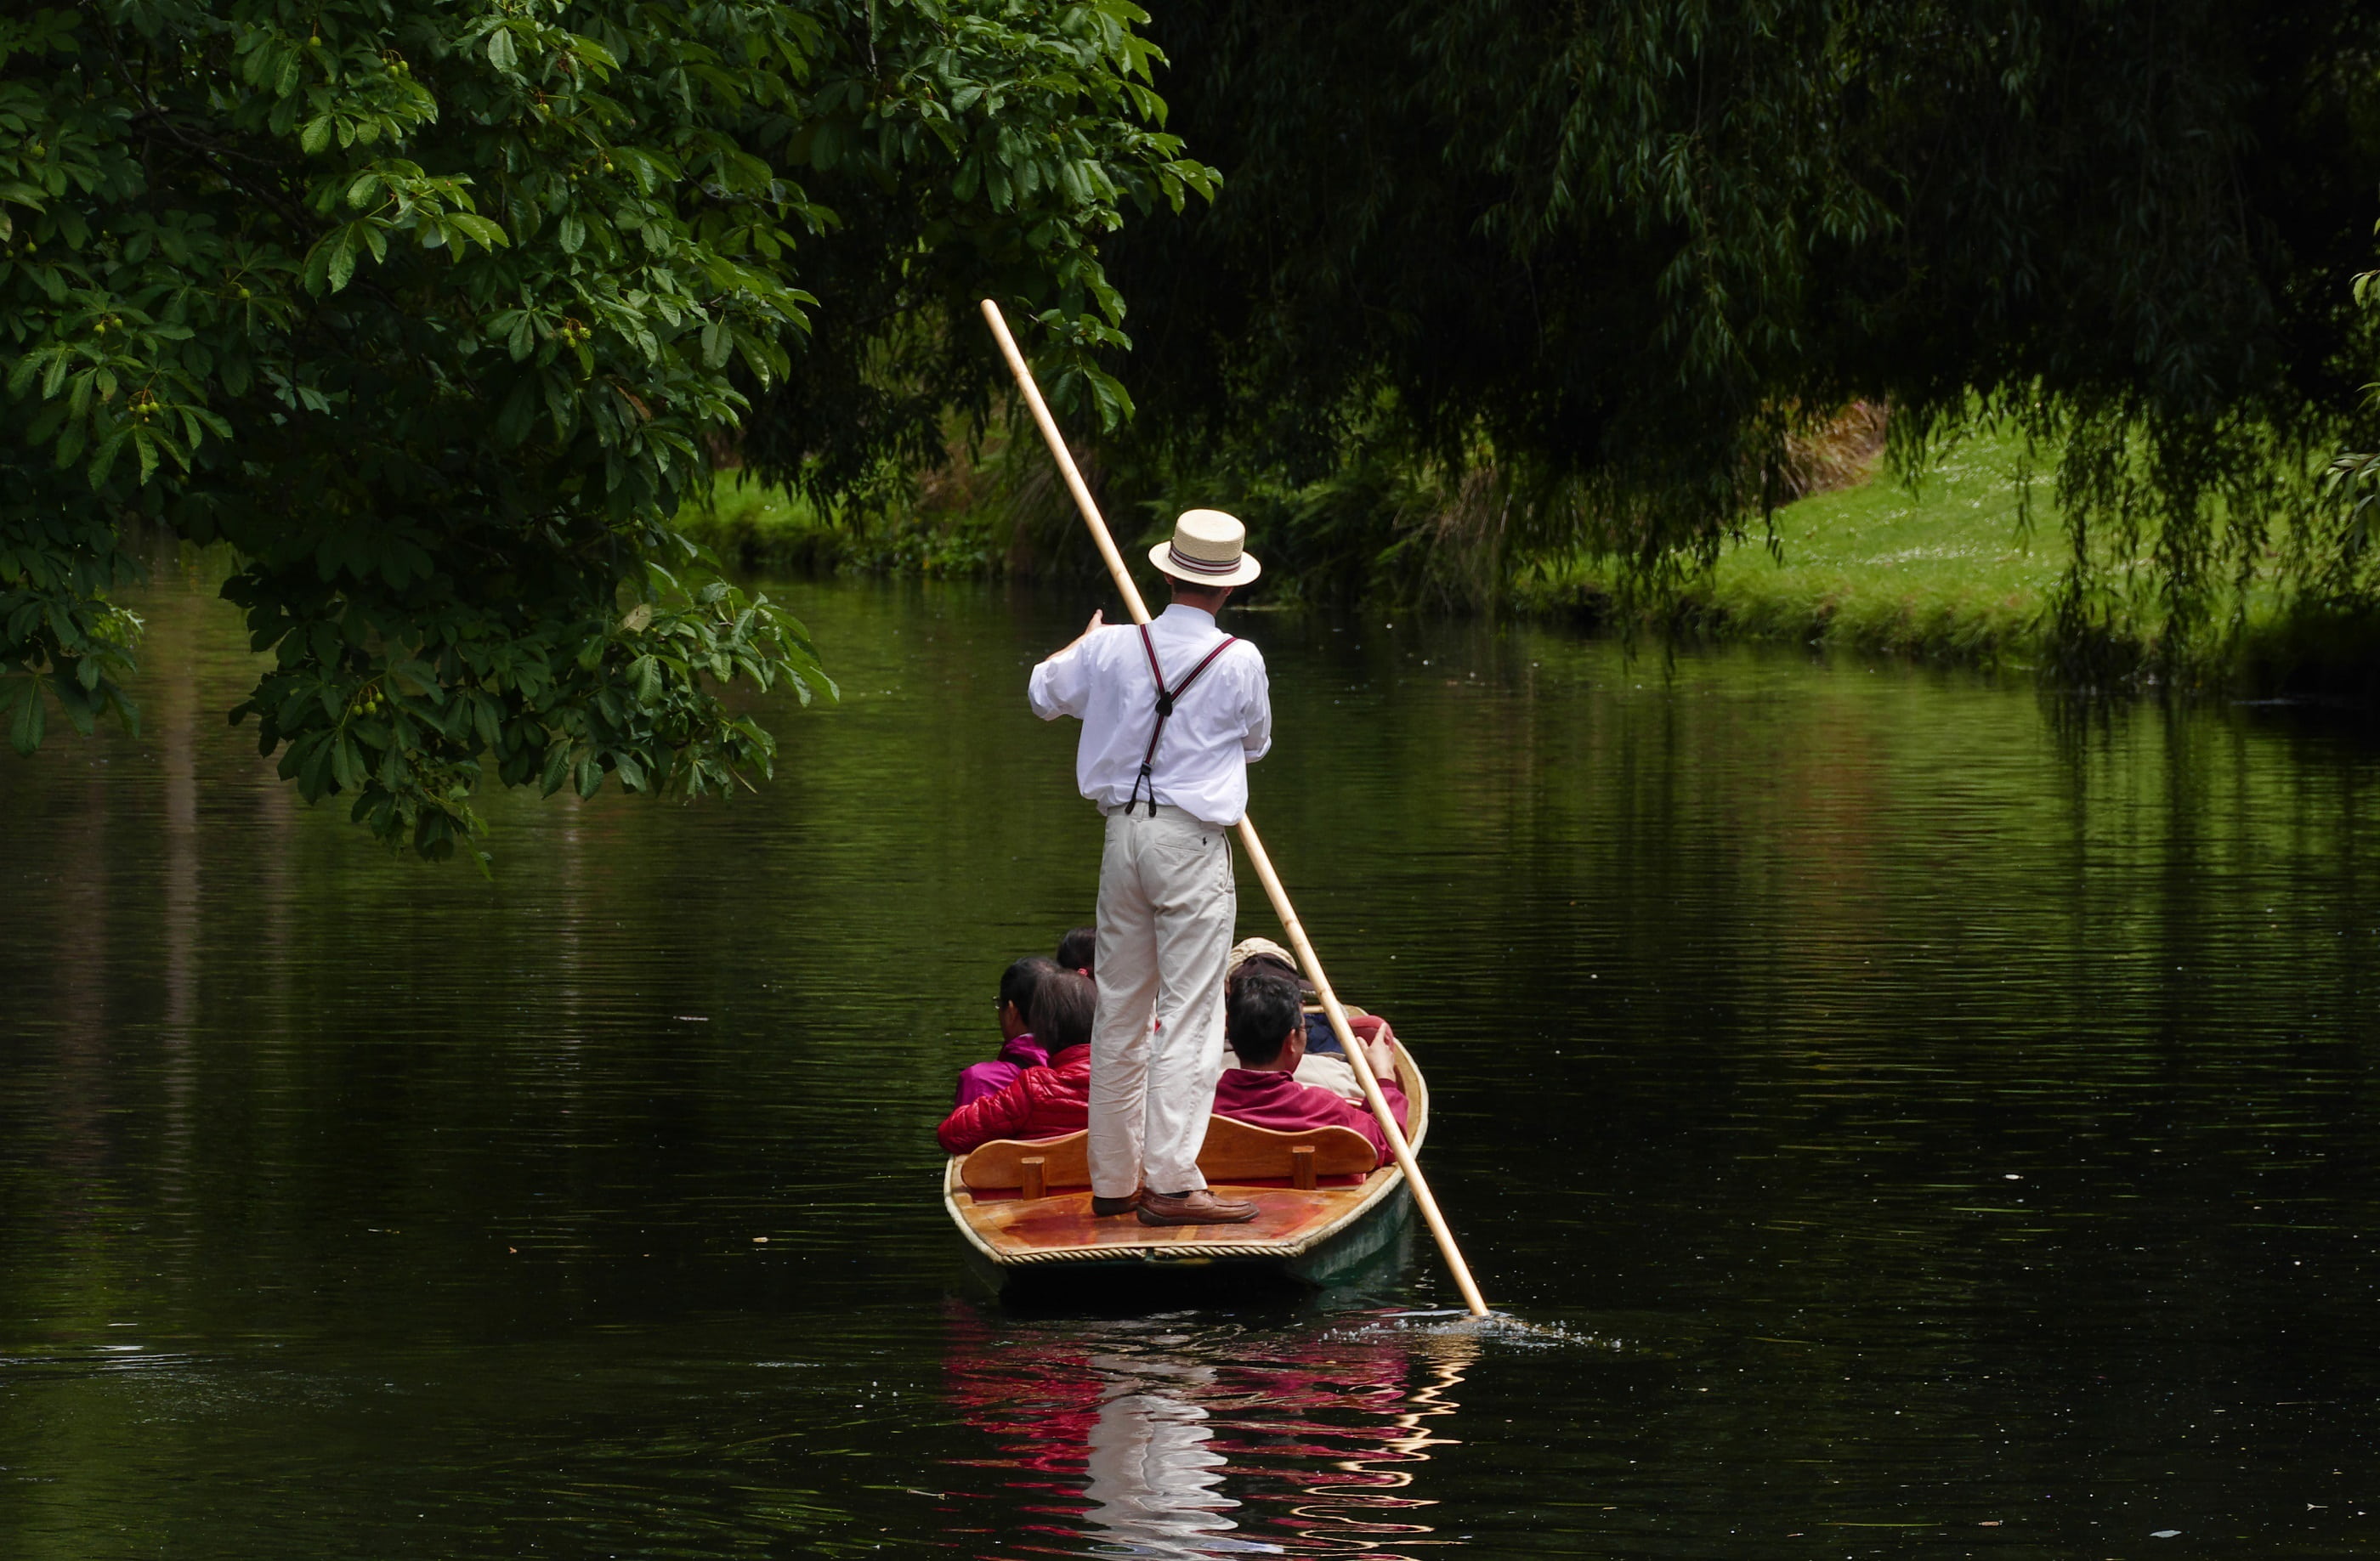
1266,1027
1018,1048
1043,1102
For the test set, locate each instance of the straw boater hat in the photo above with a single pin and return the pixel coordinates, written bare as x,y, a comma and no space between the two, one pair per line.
1210,547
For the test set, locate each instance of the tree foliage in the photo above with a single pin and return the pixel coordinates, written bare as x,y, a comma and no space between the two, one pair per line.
1619,253
436,314
1066,148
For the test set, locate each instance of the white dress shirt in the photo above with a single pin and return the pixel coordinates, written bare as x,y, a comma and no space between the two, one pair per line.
1221,724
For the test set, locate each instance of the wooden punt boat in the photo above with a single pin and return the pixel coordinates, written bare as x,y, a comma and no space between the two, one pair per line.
1323,1208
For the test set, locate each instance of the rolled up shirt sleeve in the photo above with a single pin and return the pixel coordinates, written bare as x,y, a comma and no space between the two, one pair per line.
1061,685
1257,713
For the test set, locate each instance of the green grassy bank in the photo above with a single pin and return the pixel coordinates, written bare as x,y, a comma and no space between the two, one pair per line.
1950,571
1941,573
1944,572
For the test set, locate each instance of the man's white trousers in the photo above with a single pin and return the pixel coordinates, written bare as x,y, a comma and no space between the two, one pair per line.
1167,908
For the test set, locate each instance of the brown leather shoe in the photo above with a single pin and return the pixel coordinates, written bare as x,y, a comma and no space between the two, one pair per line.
1200,1208
1103,1207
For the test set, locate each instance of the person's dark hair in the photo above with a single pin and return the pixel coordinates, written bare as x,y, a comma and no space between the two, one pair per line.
1077,949
1019,981
1063,1006
1195,594
1260,1014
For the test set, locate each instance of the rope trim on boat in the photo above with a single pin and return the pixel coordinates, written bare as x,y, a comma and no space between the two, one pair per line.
1152,1254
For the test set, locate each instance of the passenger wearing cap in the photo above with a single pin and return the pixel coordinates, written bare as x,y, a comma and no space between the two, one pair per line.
1324,1063
1173,713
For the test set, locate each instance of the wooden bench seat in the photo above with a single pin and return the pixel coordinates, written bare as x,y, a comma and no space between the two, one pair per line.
1235,1153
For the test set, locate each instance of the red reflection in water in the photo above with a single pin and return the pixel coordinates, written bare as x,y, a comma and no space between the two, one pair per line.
1142,1440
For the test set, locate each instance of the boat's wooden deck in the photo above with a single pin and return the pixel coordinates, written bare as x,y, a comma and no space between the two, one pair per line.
1060,1228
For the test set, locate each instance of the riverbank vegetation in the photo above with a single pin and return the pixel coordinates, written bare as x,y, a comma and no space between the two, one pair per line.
1966,564
1961,564
441,316
1589,276
1495,296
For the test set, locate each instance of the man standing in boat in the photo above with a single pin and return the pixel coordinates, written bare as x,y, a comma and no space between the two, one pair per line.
1171,714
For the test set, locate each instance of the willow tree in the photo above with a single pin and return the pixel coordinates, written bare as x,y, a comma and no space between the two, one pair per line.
1619,251
436,312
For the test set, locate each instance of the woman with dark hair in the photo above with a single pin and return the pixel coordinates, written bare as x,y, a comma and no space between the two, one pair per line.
1019,1048
1043,1102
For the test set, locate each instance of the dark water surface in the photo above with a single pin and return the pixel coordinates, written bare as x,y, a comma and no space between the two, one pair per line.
1916,1129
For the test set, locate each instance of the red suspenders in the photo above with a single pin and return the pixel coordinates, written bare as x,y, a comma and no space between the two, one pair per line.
1165,698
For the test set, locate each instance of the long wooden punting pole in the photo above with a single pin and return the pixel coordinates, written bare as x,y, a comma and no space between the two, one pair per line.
1248,840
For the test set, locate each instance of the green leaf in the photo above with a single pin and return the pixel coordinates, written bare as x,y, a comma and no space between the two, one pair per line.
102,460
25,731
346,764
343,258
488,234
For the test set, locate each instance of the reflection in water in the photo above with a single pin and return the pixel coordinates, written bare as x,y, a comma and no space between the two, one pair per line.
1153,1475
1209,1440
1969,1127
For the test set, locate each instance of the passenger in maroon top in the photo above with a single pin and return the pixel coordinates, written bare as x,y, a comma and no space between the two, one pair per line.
1042,1102
1266,1026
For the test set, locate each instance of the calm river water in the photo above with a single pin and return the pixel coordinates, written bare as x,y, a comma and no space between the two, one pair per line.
1914,1126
